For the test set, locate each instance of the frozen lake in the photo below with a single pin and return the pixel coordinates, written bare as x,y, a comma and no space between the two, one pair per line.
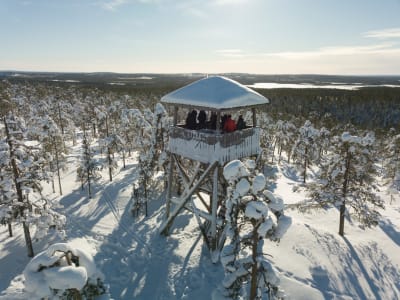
340,86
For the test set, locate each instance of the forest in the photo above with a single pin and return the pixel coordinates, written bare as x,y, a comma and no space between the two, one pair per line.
351,137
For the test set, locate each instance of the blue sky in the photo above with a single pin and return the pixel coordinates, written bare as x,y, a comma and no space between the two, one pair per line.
209,36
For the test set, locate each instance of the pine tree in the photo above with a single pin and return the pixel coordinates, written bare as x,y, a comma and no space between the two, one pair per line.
25,168
8,211
89,167
151,154
323,142
347,179
53,148
253,215
392,164
267,136
284,138
305,150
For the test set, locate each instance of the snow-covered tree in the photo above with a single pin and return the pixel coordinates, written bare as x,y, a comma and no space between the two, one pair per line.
347,179
51,139
284,138
110,139
152,155
7,193
64,272
24,192
323,141
253,214
89,167
392,164
267,135
305,150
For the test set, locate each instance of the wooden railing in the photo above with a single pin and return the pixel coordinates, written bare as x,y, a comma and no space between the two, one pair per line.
209,145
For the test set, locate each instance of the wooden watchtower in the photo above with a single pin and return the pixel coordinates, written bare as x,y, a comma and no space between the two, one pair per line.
208,149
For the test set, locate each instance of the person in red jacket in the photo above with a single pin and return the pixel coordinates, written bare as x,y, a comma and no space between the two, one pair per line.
229,125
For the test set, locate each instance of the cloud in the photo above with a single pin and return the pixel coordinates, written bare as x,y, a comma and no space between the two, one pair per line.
228,2
383,58
231,52
338,51
191,8
388,33
113,4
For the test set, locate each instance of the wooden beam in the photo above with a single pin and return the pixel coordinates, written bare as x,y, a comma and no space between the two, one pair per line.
169,188
214,207
175,115
167,224
185,178
254,117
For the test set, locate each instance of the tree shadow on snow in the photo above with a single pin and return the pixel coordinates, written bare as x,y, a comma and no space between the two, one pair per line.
85,212
381,268
136,259
389,228
354,268
271,173
290,172
140,263
18,256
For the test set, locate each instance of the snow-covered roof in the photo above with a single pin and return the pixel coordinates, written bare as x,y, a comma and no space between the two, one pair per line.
217,93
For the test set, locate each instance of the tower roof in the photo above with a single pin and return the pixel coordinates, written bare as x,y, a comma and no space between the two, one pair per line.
215,93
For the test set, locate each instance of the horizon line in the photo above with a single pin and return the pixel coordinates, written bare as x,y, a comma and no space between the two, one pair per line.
200,73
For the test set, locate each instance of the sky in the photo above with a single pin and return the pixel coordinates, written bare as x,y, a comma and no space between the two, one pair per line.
342,37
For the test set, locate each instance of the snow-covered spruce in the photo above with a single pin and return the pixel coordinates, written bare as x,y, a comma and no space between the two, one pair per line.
253,214
64,272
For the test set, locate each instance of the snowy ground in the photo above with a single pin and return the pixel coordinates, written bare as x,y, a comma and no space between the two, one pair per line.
314,262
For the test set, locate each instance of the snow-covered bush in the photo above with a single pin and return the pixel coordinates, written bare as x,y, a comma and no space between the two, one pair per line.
253,214
64,272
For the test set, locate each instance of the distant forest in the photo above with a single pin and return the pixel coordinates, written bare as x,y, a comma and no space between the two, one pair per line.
375,108
367,108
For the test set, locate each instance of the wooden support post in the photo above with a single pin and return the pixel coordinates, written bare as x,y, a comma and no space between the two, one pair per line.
254,117
214,207
218,126
169,187
175,120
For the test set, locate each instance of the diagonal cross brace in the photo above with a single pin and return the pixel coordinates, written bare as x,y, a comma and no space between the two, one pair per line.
167,224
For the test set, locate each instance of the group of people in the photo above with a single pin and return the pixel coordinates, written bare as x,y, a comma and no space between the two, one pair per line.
199,121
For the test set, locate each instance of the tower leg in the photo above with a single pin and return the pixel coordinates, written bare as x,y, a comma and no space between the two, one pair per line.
214,207
169,188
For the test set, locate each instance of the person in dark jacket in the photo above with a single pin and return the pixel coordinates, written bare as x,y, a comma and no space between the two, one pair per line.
191,120
223,120
202,118
241,124
213,121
